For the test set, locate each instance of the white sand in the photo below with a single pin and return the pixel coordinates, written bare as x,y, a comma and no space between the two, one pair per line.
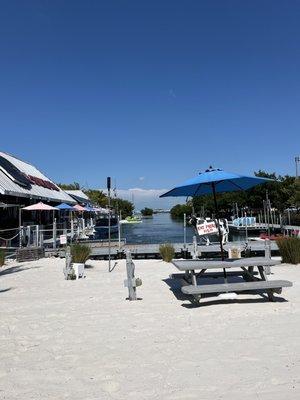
82,340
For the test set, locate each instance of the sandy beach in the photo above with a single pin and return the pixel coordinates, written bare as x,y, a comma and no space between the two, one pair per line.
82,339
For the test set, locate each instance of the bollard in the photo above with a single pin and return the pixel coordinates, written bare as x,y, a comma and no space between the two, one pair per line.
267,255
54,233
131,282
68,266
195,248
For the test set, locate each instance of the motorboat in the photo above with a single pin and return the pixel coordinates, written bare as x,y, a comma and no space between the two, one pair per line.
131,220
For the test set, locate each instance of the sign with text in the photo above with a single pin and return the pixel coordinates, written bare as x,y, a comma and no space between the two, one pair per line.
63,239
207,228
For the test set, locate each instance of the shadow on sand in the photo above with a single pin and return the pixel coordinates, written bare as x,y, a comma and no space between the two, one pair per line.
88,266
210,299
5,290
17,268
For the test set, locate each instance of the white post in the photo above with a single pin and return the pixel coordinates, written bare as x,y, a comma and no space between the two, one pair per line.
20,227
195,248
184,231
37,233
54,233
29,235
41,238
246,228
267,248
72,228
119,230
130,277
109,224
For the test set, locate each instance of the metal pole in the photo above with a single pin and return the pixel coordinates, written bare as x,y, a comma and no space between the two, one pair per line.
20,227
219,229
119,230
109,216
246,227
54,232
217,218
37,233
297,160
267,209
184,231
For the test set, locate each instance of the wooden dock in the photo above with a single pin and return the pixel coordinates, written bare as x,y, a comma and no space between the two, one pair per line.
264,227
151,251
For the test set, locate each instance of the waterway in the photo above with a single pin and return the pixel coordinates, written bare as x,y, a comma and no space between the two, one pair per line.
161,229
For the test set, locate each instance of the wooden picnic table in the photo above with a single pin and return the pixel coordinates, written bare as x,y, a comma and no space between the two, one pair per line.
243,267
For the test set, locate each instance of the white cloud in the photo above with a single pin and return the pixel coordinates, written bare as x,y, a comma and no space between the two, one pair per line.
141,178
148,198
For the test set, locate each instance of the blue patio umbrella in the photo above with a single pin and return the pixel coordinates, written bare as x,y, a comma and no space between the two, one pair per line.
65,206
214,181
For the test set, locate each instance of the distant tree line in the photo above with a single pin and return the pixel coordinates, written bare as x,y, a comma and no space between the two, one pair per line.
147,212
98,197
284,192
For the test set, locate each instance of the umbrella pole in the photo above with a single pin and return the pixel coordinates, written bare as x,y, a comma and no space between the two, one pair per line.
219,229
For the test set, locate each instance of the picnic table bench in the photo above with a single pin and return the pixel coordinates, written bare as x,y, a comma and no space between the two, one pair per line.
245,268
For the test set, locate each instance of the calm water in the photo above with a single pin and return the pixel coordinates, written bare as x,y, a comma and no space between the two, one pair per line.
159,229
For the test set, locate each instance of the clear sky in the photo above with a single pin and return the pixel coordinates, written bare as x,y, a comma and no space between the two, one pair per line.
150,92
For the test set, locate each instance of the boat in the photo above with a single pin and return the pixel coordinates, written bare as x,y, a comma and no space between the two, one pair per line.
131,220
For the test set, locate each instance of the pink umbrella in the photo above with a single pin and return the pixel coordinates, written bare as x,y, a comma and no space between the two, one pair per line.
78,207
101,210
39,207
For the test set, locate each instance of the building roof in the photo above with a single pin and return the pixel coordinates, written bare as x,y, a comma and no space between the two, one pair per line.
79,196
40,187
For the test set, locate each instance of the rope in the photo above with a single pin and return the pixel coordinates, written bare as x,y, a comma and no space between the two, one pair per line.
10,229
8,239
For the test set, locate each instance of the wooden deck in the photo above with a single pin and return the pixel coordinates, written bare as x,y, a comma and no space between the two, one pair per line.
152,250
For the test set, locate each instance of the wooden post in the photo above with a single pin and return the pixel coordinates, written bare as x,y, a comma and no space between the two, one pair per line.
72,229
119,230
37,234
267,255
267,248
20,227
184,231
68,267
130,277
195,248
54,233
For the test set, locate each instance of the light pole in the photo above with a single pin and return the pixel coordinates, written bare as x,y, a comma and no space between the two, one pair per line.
109,252
297,160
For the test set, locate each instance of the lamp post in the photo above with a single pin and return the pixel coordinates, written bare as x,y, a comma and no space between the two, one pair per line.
297,160
109,252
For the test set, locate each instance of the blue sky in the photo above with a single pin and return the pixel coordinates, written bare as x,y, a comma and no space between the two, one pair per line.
150,92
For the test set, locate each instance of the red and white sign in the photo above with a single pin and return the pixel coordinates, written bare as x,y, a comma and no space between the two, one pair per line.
207,228
63,239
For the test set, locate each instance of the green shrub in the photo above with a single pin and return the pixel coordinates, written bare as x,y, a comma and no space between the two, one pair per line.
2,257
167,252
289,249
80,253
147,212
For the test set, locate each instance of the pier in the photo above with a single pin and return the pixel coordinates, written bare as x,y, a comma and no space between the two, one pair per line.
151,251
264,227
